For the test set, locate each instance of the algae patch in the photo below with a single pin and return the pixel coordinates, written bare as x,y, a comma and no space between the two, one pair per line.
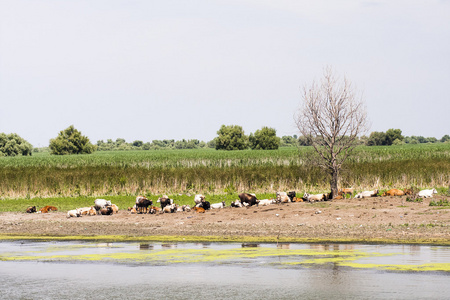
269,255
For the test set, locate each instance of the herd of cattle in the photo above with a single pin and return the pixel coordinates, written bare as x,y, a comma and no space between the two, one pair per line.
167,205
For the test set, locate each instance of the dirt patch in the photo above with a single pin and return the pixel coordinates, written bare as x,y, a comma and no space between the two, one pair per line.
382,218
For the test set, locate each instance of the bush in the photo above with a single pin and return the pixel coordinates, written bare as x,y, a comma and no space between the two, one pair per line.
70,141
231,137
264,139
12,144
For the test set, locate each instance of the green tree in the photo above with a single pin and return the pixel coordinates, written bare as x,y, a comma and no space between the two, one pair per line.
445,138
70,141
264,139
376,138
12,144
392,135
138,143
288,141
231,137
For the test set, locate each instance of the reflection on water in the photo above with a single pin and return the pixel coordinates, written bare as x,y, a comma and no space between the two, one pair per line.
71,270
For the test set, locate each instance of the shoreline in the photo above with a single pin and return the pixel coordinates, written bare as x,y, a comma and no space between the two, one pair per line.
376,220
219,239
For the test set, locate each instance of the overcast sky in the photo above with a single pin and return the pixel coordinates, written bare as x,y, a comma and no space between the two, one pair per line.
145,70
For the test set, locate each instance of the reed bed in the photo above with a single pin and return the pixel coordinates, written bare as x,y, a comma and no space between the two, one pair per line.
209,171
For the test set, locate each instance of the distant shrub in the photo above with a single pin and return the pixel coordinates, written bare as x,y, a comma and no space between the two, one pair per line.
12,144
70,141
264,139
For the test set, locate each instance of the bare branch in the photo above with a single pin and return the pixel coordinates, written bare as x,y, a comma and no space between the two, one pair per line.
333,117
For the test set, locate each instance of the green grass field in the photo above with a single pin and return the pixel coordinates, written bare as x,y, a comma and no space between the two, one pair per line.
211,172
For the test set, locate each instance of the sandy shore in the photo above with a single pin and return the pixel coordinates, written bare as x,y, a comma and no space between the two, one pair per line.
380,219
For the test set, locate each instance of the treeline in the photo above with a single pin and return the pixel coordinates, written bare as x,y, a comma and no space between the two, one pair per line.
395,137
121,145
232,137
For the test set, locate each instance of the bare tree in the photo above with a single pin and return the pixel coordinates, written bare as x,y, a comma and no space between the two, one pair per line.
332,117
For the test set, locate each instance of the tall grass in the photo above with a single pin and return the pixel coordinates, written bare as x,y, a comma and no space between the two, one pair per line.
211,171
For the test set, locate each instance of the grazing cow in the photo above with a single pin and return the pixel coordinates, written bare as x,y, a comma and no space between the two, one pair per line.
427,193
266,202
249,199
218,205
31,209
143,204
365,194
47,208
74,213
291,195
393,192
282,197
139,198
200,210
315,197
164,201
199,198
101,203
106,211
236,203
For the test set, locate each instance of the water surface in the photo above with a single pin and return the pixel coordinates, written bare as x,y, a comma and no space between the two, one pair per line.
82,270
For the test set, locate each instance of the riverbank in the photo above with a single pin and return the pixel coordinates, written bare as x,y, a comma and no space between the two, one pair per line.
368,220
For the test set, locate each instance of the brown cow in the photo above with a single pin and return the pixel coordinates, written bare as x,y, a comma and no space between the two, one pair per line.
248,199
393,192
408,191
115,208
295,199
47,208
346,191
198,209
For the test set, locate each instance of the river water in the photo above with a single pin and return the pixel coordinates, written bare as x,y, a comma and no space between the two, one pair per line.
83,270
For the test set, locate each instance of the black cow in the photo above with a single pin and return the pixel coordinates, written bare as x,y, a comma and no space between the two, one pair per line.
31,209
205,205
291,195
164,201
248,199
106,211
142,204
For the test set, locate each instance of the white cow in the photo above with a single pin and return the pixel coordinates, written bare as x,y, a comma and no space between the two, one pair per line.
218,205
170,208
236,203
365,194
74,213
427,193
87,211
282,197
101,203
266,202
199,198
315,197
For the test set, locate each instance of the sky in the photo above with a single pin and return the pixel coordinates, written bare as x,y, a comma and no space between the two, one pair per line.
146,70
